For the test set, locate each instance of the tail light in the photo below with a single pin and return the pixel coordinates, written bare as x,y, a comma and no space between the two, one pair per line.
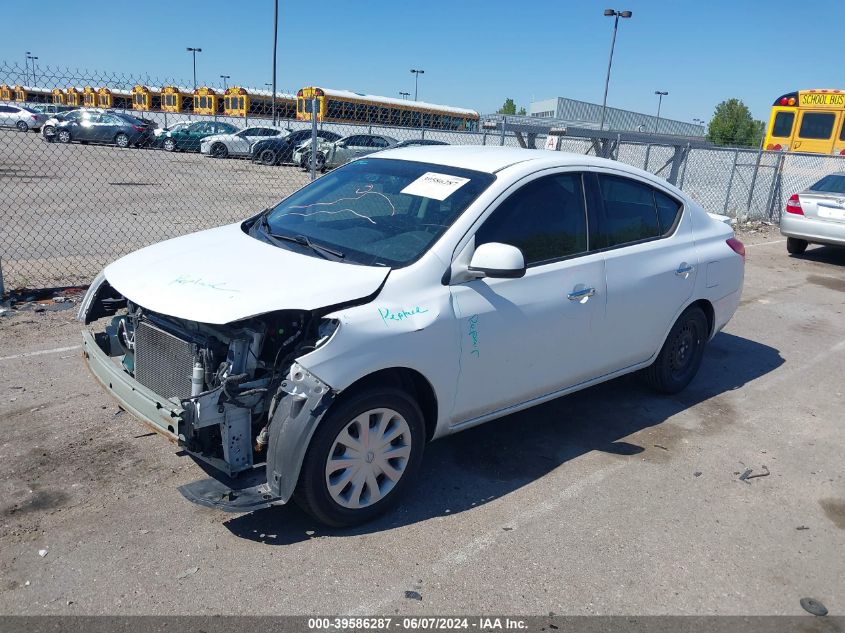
793,205
137,128
34,117
737,247
842,152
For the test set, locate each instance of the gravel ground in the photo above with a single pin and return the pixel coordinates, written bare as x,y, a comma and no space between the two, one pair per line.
609,501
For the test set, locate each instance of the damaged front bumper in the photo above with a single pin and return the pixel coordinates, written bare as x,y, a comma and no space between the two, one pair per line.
236,486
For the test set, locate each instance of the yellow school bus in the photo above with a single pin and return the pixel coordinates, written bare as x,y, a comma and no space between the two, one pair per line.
89,97
810,121
343,106
6,92
58,96
74,97
206,101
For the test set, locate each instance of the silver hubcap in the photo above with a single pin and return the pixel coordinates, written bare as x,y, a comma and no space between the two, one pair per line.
368,458
122,141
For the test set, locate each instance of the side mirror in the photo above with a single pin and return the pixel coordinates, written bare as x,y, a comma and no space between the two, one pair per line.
498,260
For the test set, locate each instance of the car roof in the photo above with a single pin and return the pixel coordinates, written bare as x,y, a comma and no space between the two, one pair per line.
492,159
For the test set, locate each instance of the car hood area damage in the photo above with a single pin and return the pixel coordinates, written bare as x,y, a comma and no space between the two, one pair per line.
223,275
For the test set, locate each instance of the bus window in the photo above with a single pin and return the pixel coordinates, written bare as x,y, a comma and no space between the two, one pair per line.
300,105
842,133
817,125
782,127
334,109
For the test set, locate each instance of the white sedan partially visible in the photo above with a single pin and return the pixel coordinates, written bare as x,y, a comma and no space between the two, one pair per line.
238,144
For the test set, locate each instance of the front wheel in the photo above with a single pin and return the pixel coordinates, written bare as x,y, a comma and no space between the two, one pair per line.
63,136
218,150
169,145
361,458
48,132
121,140
22,126
267,157
680,357
794,246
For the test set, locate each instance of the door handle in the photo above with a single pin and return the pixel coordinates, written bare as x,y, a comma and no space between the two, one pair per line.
684,270
581,295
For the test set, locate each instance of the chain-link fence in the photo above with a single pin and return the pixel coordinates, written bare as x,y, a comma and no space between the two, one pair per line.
81,192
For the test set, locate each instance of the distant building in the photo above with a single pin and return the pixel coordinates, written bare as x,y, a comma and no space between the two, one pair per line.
584,114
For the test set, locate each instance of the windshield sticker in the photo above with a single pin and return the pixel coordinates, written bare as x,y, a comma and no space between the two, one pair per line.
435,186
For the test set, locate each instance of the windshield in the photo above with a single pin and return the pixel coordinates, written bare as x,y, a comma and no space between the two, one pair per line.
834,183
378,211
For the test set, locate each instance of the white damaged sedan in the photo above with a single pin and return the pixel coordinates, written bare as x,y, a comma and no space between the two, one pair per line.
311,351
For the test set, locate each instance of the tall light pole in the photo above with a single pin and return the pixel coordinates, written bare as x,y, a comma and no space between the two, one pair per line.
225,78
194,52
275,42
417,74
404,95
30,57
615,15
660,94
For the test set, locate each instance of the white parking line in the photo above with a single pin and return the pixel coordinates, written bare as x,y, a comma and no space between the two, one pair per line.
56,350
765,243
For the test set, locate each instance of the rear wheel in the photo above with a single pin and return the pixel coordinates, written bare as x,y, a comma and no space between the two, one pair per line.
169,145
63,136
680,357
49,133
121,140
218,150
794,246
22,126
362,457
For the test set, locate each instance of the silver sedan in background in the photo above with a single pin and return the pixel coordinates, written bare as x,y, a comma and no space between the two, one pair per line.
20,117
816,215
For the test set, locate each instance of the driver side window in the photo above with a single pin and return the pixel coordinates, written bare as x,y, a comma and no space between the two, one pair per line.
546,219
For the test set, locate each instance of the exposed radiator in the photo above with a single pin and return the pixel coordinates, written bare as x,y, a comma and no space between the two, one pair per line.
163,362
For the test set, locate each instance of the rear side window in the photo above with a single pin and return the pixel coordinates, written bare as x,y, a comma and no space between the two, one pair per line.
818,125
546,219
668,211
783,124
630,214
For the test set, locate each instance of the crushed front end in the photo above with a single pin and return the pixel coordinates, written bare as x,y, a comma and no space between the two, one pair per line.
225,393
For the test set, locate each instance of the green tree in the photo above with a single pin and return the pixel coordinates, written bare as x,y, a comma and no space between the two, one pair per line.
508,107
732,124
522,112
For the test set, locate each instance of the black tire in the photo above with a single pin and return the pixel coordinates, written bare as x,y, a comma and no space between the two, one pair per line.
64,136
49,133
312,491
219,150
319,162
680,357
22,126
169,145
794,246
267,157
121,140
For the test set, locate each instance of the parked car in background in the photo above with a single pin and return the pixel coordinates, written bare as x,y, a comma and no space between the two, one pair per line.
48,130
51,109
189,138
239,143
21,117
418,142
341,151
277,151
425,290
160,132
816,215
117,128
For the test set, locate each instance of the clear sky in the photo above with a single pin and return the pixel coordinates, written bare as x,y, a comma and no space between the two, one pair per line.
474,53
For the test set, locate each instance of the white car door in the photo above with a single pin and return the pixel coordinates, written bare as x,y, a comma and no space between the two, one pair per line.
527,337
6,115
651,266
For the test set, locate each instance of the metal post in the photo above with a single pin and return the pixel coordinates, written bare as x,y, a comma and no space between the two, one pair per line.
775,186
484,137
609,64
2,287
659,103
753,183
684,168
275,41
502,137
314,138
730,182
647,154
